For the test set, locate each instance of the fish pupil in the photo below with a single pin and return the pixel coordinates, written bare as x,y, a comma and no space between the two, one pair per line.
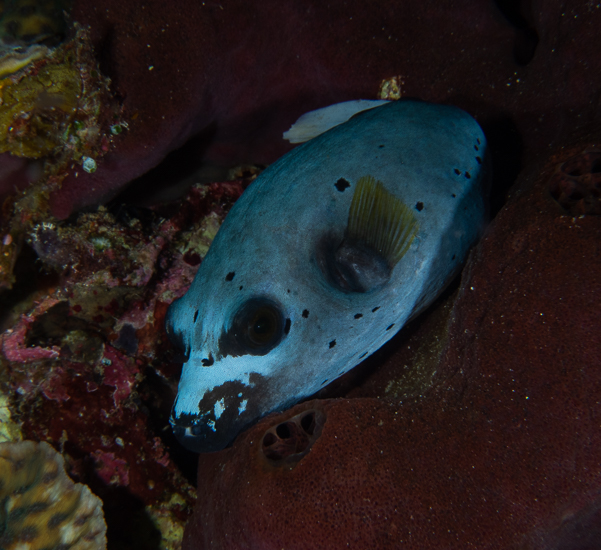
263,327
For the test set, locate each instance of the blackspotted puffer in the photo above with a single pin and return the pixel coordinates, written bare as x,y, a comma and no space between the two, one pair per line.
328,253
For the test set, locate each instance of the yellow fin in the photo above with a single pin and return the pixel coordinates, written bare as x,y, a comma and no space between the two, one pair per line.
380,220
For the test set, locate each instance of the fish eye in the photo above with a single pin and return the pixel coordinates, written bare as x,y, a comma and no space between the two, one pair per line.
258,326
262,326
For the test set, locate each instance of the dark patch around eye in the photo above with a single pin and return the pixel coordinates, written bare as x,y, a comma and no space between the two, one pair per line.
478,160
375,309
342,184
457,171
419,206
358,315
257,328
287,326
230,276
468,175
332,344
305,313
195,316
389,326
208,362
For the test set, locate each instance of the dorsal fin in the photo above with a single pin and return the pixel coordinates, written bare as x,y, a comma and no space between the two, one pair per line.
381,220
314,123
379,233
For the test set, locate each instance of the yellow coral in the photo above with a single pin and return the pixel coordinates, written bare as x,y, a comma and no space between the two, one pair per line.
15,59
29,21
41,507
38,108
391,88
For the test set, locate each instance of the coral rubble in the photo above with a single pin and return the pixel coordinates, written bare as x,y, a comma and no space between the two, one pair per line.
87,365
57,109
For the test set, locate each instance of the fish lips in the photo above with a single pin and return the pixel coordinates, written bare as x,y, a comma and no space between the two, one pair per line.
223,413
199,436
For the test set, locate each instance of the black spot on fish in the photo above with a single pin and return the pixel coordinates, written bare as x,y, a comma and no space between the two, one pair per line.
241,287
342,184
380,146
454,255
375,309
208,362
332,344
358,315
362,355
478,160
287,326
453,195
195,316
230,276
324,382
476,147
457,171
478,141
305,313
468,175
419,206
288,291
389,326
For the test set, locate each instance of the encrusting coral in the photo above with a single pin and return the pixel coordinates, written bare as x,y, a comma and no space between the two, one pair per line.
41,507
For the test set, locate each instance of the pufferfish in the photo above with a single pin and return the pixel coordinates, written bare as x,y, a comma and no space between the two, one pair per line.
327,254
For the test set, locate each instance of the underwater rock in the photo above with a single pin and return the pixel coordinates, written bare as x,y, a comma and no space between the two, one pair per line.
41,507
521,70
228,88
500,452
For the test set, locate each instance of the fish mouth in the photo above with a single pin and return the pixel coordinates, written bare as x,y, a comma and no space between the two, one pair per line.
221,413
200,435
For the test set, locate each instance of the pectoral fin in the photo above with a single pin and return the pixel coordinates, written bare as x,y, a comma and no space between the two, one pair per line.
379,233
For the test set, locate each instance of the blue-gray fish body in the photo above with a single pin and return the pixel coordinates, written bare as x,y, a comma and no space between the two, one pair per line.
289,297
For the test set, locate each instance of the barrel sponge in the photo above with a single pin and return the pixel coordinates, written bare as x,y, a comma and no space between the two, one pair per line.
40,507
